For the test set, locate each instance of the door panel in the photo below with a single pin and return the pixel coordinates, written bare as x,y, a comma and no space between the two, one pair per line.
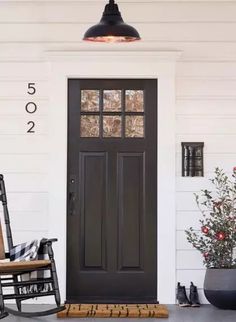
131,210
112,190
92,234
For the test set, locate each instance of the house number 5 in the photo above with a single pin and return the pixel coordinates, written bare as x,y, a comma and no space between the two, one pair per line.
31,107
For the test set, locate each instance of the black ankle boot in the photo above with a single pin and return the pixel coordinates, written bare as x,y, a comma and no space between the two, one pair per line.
193,296
182,296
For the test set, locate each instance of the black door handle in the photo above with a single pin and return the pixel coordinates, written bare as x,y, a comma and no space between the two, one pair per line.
72,198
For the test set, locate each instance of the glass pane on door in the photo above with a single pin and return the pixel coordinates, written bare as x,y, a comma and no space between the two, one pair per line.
89,100
134,126
89,126
134,101
112,100
112,126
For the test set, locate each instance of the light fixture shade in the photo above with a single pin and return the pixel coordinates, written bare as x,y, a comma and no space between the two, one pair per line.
111,27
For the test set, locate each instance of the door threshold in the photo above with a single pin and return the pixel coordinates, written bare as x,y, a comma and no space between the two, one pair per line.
125,300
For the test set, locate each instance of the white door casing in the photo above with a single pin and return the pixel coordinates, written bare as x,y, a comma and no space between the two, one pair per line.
115,64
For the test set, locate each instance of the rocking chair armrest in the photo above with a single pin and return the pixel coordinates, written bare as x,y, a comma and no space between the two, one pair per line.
48,241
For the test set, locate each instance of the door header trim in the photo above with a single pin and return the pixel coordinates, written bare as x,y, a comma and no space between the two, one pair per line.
155,55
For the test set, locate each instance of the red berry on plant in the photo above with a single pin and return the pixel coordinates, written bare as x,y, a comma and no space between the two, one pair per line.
206,254
205,229
220,235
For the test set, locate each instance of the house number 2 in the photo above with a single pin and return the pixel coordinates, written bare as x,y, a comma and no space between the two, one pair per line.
31,107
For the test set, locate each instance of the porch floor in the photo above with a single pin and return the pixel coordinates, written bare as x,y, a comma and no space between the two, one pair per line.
206,313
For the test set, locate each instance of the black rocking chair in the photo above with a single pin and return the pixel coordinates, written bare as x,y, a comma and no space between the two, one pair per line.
11,273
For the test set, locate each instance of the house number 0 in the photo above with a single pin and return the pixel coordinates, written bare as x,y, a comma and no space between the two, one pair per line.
31,107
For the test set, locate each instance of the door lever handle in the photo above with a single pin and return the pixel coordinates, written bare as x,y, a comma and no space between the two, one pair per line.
72,198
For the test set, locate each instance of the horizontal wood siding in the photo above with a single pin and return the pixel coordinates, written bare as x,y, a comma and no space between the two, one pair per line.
205,97
205,112
82,12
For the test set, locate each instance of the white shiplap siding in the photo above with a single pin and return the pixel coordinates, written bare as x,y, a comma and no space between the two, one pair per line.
205,96
206,101
24,156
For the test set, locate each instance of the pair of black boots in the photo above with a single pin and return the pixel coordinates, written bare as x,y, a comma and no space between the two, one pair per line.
182,298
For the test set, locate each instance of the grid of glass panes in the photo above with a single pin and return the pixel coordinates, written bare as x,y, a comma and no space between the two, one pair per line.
112,113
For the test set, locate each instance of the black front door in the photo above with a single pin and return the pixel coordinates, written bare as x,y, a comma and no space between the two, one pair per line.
112,190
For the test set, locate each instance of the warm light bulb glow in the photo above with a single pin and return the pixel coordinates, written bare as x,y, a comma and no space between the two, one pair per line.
111,39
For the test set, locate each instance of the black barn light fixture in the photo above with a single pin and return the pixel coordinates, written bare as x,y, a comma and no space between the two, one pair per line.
111,27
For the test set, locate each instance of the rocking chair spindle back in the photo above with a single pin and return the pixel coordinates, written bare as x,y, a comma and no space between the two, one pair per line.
3,198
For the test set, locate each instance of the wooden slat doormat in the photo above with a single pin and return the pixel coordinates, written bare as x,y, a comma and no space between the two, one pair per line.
114,311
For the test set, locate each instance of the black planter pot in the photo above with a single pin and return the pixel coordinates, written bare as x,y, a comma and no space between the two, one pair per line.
220,287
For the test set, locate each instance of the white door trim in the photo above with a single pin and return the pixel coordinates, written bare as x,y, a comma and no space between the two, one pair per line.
160,65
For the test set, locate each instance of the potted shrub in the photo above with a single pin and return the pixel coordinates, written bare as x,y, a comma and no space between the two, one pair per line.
216,239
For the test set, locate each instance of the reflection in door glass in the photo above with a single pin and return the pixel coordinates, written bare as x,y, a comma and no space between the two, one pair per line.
134,126
112,100
89,126
134,100
89,100
112,126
